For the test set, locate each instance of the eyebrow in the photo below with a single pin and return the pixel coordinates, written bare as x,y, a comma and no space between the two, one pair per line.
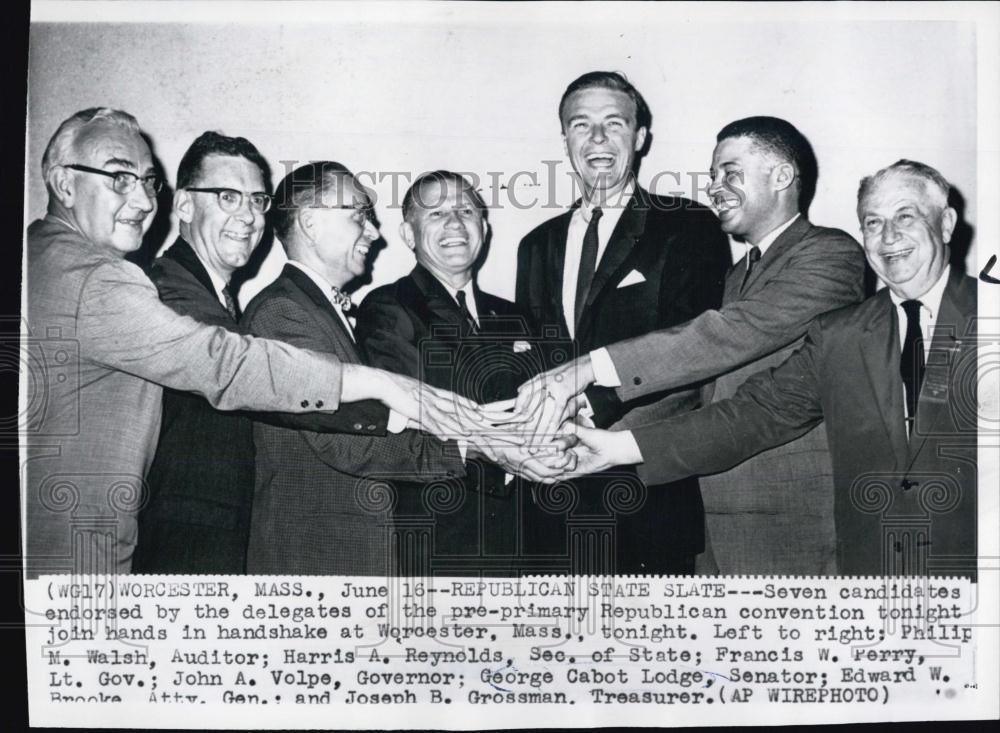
120,161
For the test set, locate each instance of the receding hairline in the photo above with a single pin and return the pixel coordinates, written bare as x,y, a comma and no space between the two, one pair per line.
92,134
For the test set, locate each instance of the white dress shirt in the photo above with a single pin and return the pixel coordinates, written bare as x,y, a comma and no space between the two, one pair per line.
323,284
611,212
217,282
930,304
470,297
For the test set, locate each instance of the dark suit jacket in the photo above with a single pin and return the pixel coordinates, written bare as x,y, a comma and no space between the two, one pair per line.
321,499
680,251
414,327
197,516
901,506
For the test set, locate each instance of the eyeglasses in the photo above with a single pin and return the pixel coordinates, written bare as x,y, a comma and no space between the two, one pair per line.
124,182
362,213
230,200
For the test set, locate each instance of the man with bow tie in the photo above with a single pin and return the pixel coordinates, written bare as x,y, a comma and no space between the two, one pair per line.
322,493
622,262
437,325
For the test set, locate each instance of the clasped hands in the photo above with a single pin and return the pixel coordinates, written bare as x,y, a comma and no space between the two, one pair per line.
543,434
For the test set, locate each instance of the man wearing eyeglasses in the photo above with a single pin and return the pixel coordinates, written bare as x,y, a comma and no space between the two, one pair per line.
197,516
100,346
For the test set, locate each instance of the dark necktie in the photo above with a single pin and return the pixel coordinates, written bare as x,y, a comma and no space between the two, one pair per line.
752,258
588,263
463,308
231,307
911,362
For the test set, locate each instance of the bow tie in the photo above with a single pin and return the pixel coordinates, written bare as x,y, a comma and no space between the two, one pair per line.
340,299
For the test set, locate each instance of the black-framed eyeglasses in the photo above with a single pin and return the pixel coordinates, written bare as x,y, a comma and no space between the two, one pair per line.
362,213
230,200
124,182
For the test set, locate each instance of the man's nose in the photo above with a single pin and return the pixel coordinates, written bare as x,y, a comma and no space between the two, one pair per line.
453,220
889,232
140,199
371,231
597,133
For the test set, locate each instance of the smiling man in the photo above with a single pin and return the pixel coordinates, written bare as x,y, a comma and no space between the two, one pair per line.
895,379
101,346
197,516
773,513
313,512
437,325
620,263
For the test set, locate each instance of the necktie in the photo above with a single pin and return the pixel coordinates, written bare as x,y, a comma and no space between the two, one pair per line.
463,308
752,259
911,362
234,311
588,263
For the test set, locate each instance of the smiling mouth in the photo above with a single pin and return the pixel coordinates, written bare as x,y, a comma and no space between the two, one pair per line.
240,238
362,248
601,160
454,242
133,223
898,255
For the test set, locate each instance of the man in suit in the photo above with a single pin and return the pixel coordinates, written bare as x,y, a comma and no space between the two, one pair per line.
895,379
321,501
437,325
773,513
101,346
620,263
197,517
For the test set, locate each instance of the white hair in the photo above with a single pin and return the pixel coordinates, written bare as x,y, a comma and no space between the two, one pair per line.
60,150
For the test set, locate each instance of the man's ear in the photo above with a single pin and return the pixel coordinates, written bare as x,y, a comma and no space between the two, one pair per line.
949,218
62,186
640,138
305,220
783,176
183,205
565,145
406,232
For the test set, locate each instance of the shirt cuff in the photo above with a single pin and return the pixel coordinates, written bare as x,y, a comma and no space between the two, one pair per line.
605,374
397,423
463,449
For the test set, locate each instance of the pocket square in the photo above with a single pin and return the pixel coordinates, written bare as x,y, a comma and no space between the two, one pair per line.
633,278
521,346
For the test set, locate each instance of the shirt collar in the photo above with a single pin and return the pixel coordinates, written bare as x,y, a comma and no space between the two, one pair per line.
321,282
453,292
931,300
773,235
217,282
616,203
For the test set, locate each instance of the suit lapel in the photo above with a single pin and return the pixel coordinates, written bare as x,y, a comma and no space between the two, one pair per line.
556,253
763,270
441,307
879,346
182,253
334,325
949,343
623,238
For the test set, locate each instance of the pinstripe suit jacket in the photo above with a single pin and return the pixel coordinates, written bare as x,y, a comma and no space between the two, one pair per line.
319,505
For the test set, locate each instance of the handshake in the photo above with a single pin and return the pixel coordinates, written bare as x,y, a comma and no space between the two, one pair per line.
542,435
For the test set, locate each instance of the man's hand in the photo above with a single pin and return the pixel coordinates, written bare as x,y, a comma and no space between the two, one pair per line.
597,450
546,401
545,465
436,411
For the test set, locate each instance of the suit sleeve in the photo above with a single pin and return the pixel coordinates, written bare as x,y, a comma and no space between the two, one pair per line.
122,324
410,452
770,409
691,285
818,279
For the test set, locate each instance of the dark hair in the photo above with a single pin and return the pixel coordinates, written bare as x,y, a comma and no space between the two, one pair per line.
212,143
412,198
609,80
924,172
783,140
305,186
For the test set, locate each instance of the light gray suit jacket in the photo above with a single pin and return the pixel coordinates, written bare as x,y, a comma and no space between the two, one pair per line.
100,345
774,512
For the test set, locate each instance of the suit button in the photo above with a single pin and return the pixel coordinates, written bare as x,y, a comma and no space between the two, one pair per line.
304,403
371,427
637,380
319,403
357,426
